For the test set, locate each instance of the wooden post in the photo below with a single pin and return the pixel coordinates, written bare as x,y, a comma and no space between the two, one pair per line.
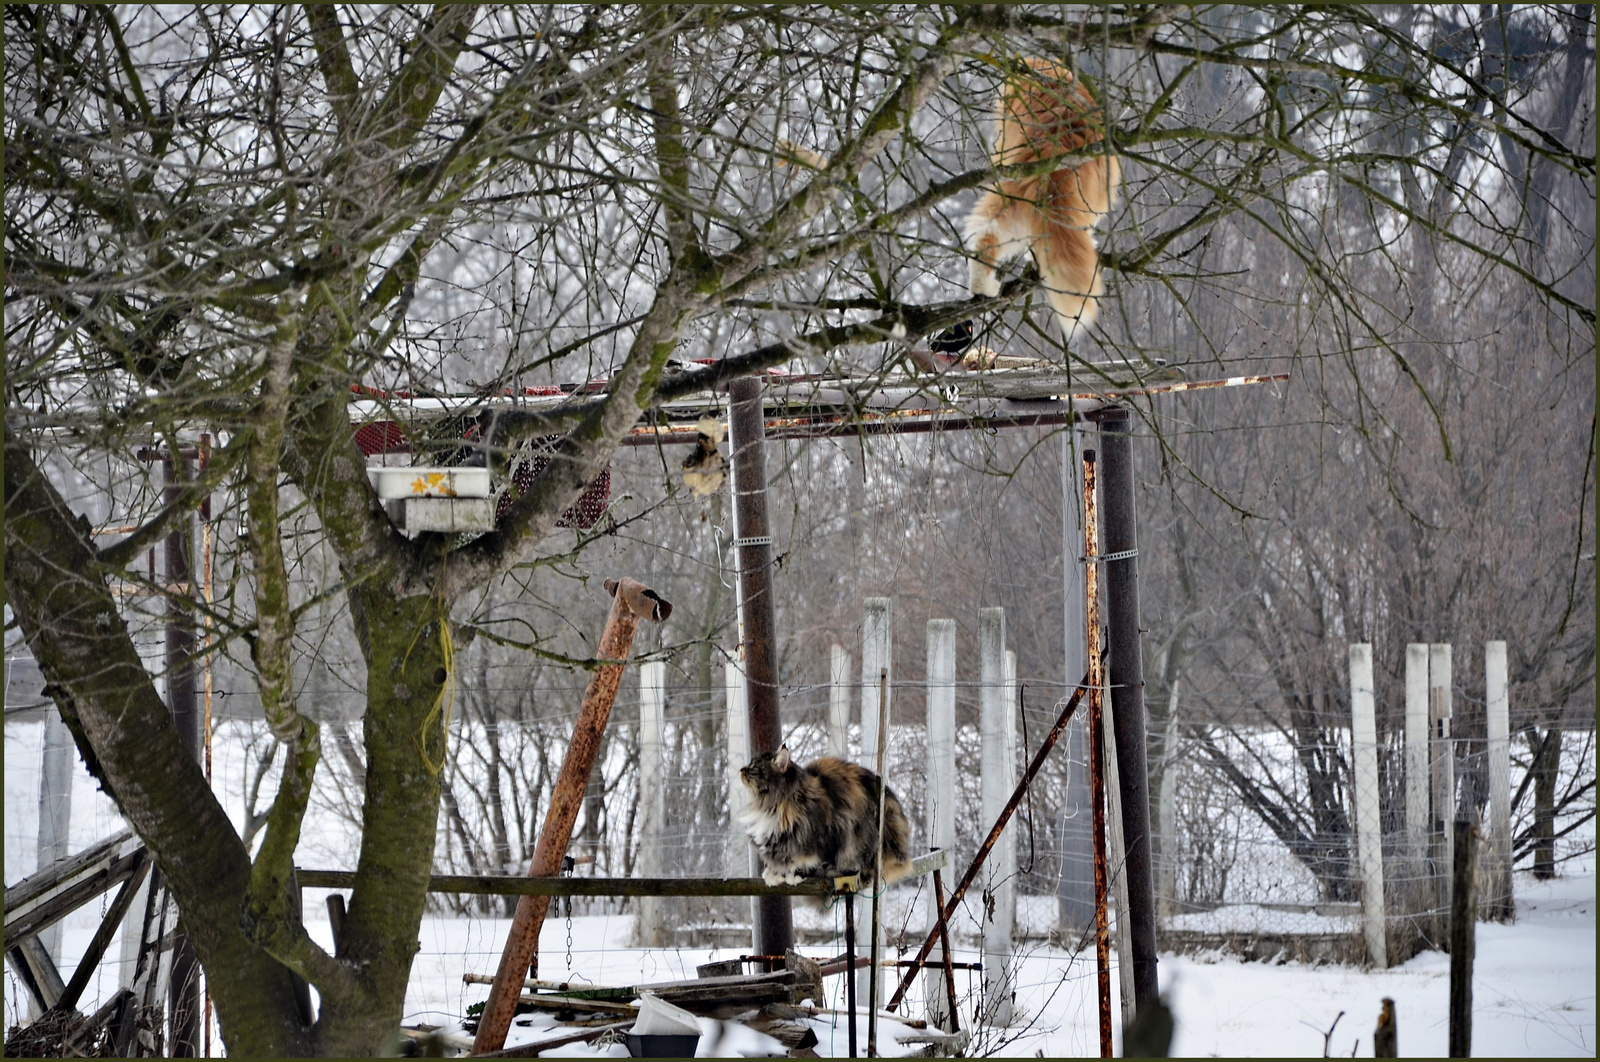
877,651
1463,915
997,719
940,798
652,929
1498,901
1097,748
630,603
1369,838
1442,764
839,703
1420,895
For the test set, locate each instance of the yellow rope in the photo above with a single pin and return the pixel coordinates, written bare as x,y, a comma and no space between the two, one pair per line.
445,702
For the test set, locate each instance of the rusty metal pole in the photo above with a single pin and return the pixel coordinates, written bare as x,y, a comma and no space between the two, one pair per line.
774,920
630,603
1097,785
1127,698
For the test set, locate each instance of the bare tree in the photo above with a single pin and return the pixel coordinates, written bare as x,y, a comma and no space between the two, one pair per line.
224,219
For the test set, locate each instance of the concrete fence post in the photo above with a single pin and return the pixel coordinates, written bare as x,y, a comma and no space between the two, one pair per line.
1497,895
877,653
940,802
1369,835
997,717
653,931
839,703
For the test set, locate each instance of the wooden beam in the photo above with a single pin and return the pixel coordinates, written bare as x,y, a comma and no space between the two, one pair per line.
103,935
57,890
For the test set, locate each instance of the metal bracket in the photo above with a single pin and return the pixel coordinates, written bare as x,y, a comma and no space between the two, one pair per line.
1124,555
758,540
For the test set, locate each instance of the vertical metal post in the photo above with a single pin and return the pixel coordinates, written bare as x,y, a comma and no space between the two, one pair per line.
774,928
1463,917
839,703
1369,841
184,1001
850,964
1498,902
875,985
1091,597
1442,755
1127,699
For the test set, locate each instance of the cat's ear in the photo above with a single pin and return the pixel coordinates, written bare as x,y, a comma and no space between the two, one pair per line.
782,762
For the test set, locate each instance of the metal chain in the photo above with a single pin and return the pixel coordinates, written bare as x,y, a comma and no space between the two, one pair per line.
568,864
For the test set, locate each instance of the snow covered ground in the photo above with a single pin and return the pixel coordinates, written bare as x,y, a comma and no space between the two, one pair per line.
1534,984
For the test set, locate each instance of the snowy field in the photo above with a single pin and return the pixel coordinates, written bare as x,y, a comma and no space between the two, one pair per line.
1534,985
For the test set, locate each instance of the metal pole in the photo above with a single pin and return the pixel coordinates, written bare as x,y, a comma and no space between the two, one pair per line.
774,929
850,957
1127,699
1463,915
944,947
1097,785
630,602
877,871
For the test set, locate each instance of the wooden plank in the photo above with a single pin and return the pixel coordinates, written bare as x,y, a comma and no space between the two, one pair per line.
67,894
102,936
37,971
532,1050
507,885
516,885
35,885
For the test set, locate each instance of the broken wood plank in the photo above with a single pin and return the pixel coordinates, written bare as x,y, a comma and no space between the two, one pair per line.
532,1050
550,1001
565,988
102,936
44,898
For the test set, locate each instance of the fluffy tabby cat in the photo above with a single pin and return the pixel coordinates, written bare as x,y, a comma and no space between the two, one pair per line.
1043,114
821,820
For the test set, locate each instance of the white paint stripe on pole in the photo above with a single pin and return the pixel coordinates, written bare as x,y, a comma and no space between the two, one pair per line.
1369,836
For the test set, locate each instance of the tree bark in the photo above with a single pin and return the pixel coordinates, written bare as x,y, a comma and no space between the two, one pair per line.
131,745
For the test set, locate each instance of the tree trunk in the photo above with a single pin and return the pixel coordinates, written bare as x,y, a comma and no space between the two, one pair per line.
405,735
129,743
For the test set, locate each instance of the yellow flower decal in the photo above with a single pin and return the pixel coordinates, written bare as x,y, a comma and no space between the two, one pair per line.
435,483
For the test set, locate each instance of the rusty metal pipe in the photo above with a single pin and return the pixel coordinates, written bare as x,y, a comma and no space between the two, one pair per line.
944,944
1097,777
631,602
990,841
